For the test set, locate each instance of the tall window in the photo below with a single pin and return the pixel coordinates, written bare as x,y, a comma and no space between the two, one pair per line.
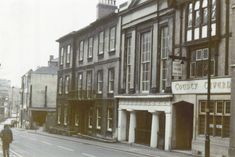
58,114
89,84
100,82
146,46
79,83
81,50
111,80
112,39
101,43
67,81
129,65
68,56
164,57
98,118
219,119
60,85
90,47
65,115
110,119
76,120
61,56
90,119
197,20
199,63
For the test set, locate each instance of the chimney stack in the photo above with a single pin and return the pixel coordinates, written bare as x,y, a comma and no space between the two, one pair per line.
105,7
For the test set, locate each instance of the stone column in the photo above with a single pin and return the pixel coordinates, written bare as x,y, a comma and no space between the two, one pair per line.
168,131
132,126
154,129
121,125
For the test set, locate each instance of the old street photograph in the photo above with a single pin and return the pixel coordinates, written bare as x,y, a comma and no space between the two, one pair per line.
117,78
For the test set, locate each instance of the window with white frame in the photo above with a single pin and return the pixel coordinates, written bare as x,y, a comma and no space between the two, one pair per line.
67,81
199,63
98,118
112,39
197,19
219,117
79,84
110,119
68,56
60,85
146,45
129,64
100,81
81,50
111,80
90,47
164,57
61,56
65,115
58,114
90,119
101,43
89,84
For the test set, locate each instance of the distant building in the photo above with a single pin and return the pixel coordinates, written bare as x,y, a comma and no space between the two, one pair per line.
38,93
5,86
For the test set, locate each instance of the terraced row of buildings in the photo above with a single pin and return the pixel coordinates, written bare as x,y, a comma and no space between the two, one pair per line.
139,73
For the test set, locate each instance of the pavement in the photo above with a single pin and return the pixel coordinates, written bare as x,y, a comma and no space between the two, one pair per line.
130,148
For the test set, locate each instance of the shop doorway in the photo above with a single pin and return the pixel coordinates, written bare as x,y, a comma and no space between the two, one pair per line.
183,115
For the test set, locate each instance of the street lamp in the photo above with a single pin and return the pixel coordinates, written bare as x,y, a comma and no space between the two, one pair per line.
207,133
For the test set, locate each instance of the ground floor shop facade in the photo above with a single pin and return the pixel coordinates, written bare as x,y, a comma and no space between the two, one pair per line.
190,98
94,117
177,121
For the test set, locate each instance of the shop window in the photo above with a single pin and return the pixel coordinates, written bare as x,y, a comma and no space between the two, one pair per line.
219,118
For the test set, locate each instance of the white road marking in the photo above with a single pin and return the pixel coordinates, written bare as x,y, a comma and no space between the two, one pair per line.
65,148
88,155
46,143
16,154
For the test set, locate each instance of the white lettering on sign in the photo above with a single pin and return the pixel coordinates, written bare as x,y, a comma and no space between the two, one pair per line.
220,85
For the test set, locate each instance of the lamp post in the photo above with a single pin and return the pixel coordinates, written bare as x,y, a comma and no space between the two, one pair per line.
207,123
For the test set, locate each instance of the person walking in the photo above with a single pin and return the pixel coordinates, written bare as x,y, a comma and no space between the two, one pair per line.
7,138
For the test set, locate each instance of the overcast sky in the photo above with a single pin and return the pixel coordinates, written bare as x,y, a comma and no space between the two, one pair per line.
29,28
